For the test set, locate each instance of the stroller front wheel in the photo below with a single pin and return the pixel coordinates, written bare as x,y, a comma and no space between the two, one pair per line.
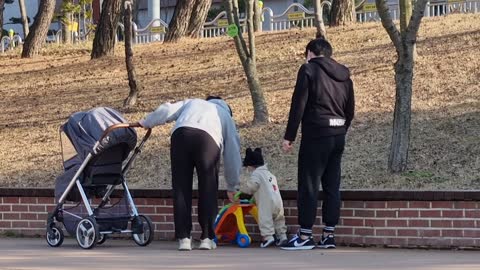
145,238
101,239
87,233
54,236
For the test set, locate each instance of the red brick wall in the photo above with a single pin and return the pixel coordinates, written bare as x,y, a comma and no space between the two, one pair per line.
409,223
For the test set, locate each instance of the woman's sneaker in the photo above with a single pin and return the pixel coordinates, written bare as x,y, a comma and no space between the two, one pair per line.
185,244
267,242
207,244
327,241
297,243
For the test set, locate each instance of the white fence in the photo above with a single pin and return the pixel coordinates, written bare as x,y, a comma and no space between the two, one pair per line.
437,8
295,16
9,43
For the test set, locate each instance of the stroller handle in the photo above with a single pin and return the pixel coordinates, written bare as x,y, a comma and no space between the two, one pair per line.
125,125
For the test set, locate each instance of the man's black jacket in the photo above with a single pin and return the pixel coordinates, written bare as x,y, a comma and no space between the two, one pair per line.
323,100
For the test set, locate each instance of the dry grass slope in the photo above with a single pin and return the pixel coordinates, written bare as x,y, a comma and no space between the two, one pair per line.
39,94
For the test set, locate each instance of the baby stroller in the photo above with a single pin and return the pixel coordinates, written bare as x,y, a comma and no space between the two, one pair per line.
230,225
98,148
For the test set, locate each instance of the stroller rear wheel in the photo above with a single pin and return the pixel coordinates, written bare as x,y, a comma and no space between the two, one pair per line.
145,238
87,233
54,236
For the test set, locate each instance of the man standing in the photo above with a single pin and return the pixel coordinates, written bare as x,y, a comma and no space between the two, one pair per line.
203,130
323,102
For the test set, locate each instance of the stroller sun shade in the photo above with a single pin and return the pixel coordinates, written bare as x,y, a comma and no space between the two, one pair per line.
84,129
79,136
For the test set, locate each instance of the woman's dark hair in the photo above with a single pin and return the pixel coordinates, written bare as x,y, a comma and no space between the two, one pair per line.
319,47
217,97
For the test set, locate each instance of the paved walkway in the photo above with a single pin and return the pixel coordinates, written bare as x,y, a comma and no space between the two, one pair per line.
35,254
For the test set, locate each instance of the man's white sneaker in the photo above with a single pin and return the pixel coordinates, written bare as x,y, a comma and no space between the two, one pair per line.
185,244
207,244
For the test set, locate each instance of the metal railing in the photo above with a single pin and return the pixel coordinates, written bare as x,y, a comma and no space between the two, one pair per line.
437,8
282,21
218,26
9,43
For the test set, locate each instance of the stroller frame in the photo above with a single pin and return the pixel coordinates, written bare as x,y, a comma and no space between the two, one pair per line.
88,233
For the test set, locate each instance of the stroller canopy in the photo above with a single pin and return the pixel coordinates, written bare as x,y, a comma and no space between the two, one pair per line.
84,129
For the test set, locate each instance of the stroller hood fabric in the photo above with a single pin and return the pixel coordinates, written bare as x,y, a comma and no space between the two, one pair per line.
84,129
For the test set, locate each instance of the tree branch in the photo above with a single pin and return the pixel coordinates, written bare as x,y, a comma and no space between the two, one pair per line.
241,48
251,29
237,22
415,21
388,24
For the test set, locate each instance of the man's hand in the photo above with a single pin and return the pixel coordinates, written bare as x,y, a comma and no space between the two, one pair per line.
231,196
287,145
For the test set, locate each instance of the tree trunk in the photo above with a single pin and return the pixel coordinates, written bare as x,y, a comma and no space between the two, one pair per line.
321,32
36,37
247,57
260,110
2,6
404,42
397,161
257,16
342,13
23,14
178,26
105,35
67,20
198,17
405,14
135,86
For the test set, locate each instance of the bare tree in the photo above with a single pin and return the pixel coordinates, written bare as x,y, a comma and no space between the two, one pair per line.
23,14
342,12
104,41
135,86
321,32
197,19
248,58
36,38
404,42
2,7
181,18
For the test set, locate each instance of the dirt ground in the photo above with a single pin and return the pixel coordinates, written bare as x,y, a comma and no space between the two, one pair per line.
39,94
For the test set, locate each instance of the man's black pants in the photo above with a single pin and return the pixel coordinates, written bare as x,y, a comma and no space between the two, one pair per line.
194,148
319,161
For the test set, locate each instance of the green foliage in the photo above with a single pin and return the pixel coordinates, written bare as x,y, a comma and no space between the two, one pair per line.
89,14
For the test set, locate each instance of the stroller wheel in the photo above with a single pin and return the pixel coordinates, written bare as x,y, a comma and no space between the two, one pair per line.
87,233
146,237
54,236
101,239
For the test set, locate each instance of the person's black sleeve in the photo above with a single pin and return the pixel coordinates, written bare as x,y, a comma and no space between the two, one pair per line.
299,101
350,108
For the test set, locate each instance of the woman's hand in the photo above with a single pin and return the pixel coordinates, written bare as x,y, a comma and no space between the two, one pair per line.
231,196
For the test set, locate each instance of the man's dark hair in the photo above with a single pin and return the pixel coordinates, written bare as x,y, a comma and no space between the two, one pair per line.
319,47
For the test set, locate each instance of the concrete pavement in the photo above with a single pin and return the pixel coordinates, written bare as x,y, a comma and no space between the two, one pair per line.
35,254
